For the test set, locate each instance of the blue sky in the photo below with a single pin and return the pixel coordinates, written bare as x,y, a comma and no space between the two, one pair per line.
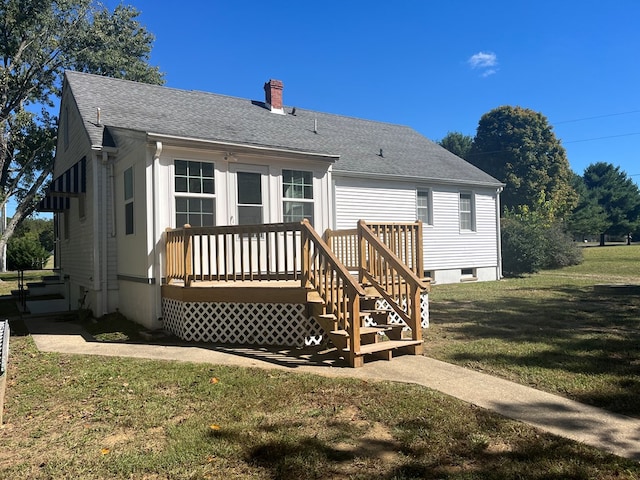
434,66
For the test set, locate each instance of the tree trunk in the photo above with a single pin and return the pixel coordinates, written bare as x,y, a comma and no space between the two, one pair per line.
602,239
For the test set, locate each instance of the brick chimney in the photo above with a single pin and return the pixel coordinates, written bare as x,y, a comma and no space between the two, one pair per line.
273,95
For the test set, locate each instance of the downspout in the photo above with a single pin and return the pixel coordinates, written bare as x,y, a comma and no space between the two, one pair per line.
96,224
498,232
104,278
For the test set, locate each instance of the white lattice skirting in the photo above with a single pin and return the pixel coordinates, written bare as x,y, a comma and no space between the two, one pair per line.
283,324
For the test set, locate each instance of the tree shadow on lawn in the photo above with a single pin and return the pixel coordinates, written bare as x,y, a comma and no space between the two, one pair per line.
573,330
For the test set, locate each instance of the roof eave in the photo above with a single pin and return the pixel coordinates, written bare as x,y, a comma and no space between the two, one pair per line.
414,179
237,147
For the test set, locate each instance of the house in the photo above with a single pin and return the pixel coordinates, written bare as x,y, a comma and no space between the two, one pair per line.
134,159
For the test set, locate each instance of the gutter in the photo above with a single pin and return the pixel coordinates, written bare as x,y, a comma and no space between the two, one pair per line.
414,179
238,147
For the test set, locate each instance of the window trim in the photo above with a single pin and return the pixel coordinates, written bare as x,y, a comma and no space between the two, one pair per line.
429,207
193,195
291,200
129,202
471,212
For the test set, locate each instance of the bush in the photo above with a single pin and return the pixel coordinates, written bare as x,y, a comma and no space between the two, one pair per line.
26,253
561,250
529,244
521,246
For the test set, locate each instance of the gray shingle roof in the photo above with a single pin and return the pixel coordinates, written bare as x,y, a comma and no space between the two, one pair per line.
207,116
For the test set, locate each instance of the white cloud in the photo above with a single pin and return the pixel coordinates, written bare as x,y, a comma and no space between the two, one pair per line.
485,62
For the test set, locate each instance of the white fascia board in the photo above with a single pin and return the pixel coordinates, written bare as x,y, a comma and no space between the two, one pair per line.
237,147
414,179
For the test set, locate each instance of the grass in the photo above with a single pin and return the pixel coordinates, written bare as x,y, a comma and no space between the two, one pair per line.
549,330
88,417
69,416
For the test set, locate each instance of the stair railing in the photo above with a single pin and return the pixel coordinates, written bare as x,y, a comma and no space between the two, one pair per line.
323,272
396,282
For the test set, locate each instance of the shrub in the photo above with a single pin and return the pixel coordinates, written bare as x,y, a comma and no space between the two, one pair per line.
530,244
521,246
561,250
26,253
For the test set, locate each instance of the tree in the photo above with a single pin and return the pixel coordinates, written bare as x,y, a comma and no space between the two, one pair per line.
26,253
518,147
42,228
39,40
617,194
589,218
457,143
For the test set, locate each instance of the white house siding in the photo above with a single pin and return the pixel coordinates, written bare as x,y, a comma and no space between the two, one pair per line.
372,200
135,286
447,249
75,246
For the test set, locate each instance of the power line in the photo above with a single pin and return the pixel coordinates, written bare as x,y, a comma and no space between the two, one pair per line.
603,138
596,117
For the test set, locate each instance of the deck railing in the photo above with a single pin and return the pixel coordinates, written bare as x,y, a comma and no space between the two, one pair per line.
403,239
383,267
280,251
234,253
388,256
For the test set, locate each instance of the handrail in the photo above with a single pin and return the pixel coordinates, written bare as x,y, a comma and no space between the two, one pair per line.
335,285
394,280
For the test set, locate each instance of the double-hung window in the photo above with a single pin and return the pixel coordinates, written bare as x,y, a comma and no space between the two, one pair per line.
467,212
195,199
128,201
423,206
297,195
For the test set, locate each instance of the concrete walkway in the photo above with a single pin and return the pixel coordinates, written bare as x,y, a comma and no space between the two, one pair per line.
614,433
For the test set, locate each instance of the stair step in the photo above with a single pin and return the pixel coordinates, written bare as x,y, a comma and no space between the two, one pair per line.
363,330
376,311
389,345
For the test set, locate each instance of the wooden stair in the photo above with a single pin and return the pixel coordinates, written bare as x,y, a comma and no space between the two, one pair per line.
379,340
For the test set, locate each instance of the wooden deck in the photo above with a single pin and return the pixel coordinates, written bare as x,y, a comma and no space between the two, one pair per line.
272,274
273,291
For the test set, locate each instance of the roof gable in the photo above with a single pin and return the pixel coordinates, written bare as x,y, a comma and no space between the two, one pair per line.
363,146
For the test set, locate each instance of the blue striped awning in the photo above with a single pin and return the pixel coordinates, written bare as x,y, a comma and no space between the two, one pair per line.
71,183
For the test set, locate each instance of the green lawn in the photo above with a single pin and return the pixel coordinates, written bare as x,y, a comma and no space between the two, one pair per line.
549,330
77,417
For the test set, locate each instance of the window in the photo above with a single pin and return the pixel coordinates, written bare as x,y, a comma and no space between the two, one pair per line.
249,198
423,206
297,196
195,193
128,201
467,215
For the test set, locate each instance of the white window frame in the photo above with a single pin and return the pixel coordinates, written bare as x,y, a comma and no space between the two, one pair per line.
424,211
290,200
129,194
187,195
471,212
